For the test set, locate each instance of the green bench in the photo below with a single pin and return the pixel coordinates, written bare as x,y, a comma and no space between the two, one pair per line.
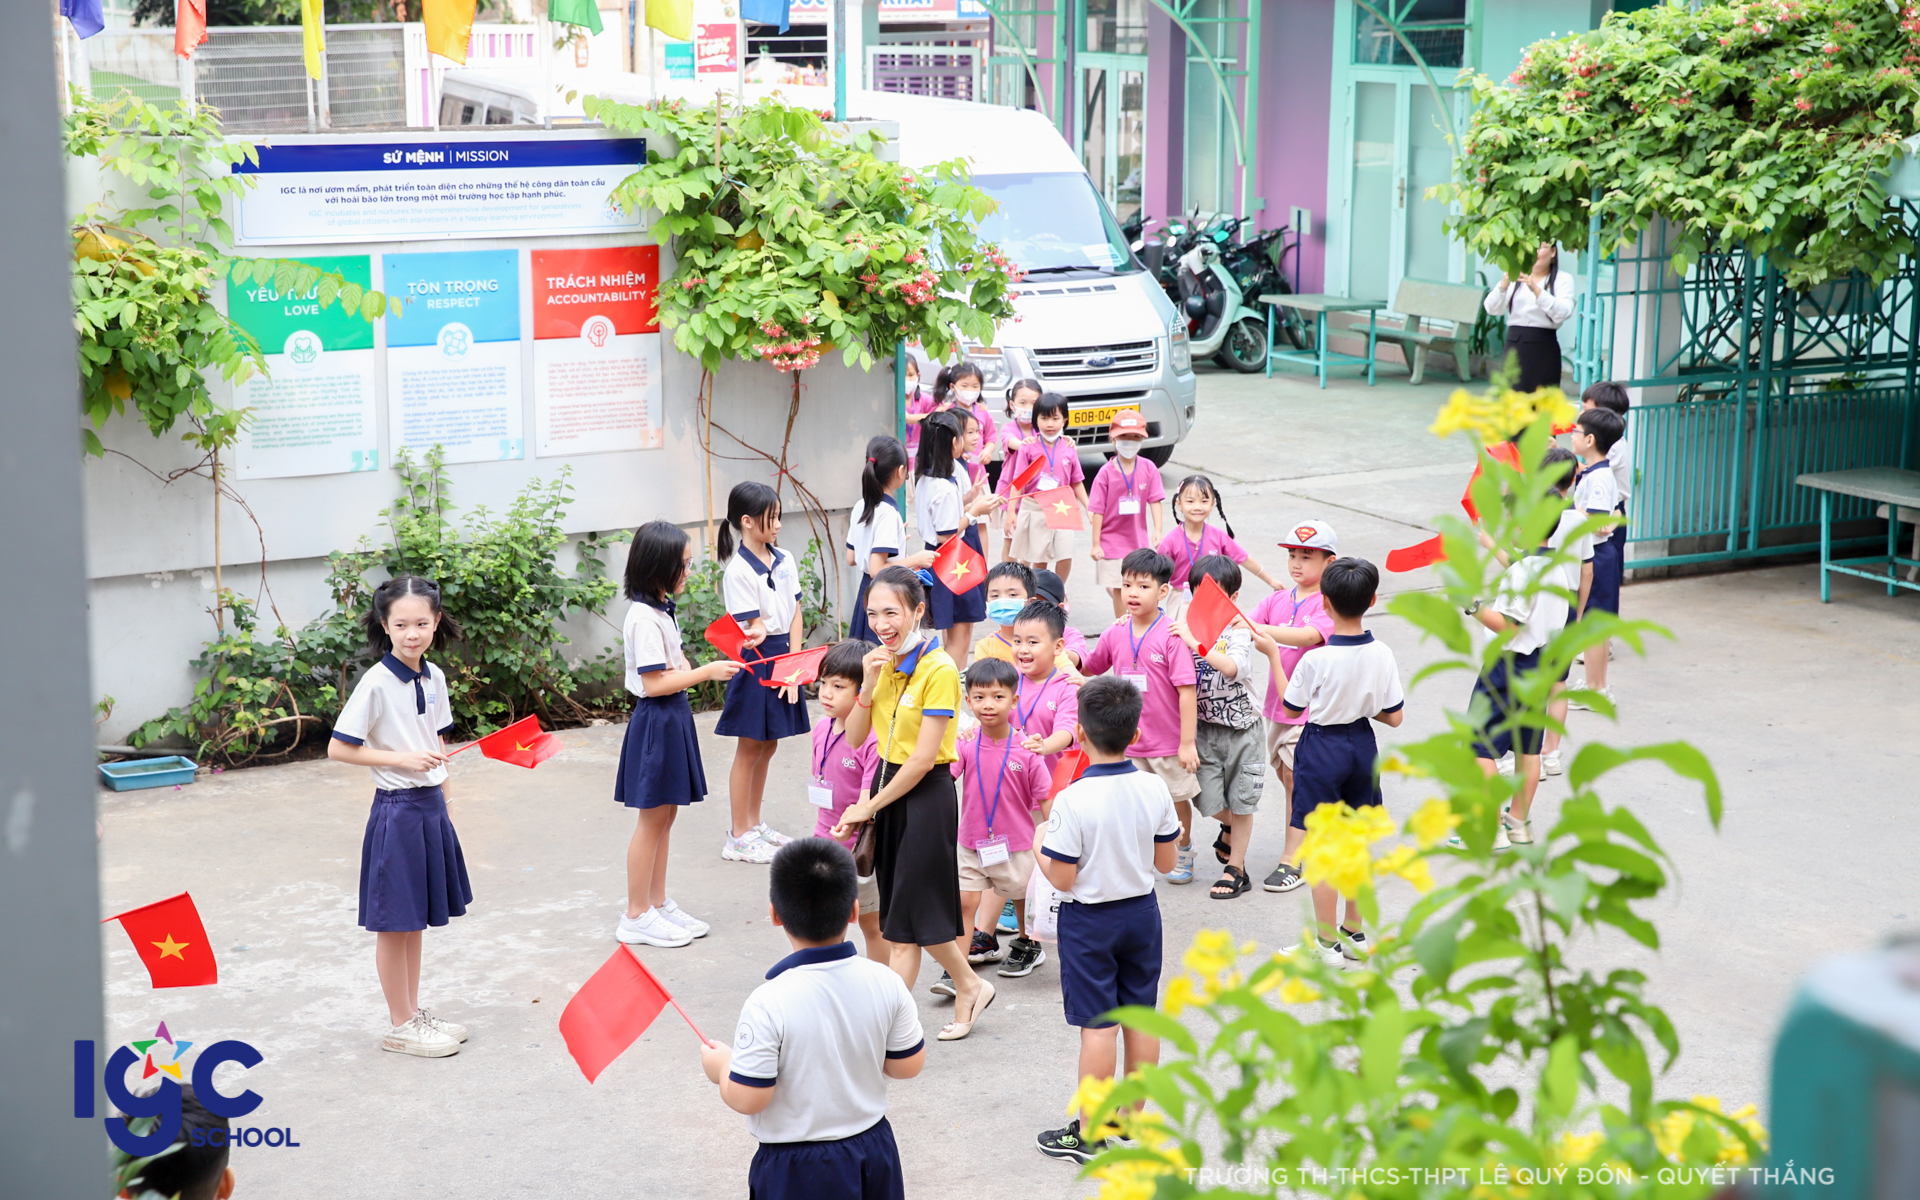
1424,301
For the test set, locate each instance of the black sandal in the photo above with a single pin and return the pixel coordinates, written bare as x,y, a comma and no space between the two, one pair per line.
1235,882
1222,849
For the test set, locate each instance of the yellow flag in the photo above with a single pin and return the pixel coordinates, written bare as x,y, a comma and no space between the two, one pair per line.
671,17
449,26
313,34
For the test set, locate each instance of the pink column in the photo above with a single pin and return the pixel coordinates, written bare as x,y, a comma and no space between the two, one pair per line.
1164,177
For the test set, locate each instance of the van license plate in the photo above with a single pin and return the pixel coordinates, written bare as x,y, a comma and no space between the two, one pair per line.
1081,418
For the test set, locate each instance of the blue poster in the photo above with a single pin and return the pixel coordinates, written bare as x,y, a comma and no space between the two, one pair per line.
453,354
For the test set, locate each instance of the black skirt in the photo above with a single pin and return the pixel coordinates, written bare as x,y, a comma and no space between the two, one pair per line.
1539,351
916,860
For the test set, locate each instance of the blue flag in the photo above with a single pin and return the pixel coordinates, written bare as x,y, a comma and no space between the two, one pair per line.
84,16
766,12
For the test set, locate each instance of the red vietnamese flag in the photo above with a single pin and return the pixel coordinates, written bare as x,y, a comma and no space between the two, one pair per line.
189,26
1027,475
610,1012
1505,452
1072,765
1412,558
1210,613
171,942
959,566
794,670
521,743
1060,508
726,636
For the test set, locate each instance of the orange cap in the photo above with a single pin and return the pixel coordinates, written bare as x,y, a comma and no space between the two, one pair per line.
1127,423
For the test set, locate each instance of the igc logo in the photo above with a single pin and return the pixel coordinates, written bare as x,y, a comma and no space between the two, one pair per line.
162,1055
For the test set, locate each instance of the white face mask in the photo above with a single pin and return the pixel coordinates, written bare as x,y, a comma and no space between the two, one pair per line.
1049,437
1128,447
1024,415
966,397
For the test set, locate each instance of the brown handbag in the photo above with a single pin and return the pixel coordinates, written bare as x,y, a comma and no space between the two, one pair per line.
863,847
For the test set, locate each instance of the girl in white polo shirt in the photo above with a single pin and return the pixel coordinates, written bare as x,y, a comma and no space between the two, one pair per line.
412,873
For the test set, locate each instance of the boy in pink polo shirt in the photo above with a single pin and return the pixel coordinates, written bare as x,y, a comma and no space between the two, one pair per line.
1143,650
1046,699
1003,785
838,774
1297,620
1124,492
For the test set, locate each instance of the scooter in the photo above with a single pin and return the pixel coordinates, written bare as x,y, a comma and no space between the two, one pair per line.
1219,320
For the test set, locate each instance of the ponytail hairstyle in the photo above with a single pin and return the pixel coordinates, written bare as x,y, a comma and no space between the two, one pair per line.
942,384
1205,484
885,455
965,370
748,499
656,561
940,437
406,585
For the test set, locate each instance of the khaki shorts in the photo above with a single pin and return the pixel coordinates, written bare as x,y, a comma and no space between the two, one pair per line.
1106,573
1176,603
1232,772
1281,740
869,894
1008,880
1181,782
1033,542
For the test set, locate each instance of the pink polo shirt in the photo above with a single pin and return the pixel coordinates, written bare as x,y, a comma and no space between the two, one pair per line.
1062,459
1010,771
1291,609
1076,643
1167,664
1185,552
1043,709
1011,435
1122,533
844,769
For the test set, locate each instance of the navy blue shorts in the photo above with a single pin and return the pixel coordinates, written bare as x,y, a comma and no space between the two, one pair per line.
1109,957
660,758
754,710
1334,762
1496,685
945,609
865,1166
1609,568
412,873
857,627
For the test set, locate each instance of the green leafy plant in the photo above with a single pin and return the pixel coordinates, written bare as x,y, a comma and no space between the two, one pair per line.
1470,1053
1770,125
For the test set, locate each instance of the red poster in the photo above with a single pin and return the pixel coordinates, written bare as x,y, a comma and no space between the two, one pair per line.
716,48
570,287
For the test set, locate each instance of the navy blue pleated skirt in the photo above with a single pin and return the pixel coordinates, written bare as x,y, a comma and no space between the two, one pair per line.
944,608
412,873
660,758
857,627
754,710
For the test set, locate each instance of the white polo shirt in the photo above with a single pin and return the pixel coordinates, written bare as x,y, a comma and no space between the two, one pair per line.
651,633
1350,678
1106,823
768,590
938,505
394,707
1579,548
822,1028
1620,461
885,534
1595,490
1539,615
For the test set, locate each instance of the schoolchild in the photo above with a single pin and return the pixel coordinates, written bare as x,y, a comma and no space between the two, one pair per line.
919,403
1106,835
817,1043
1009,586
1612,398
841,771
1125,492
941,509
1346,684
1596,491
1034,543
1142,650
1048,586
1296,618
1193,538
963,396
194,1166
876,530
412,873
1231,742
1003,786
1014,431
761,589
660,769
1046,696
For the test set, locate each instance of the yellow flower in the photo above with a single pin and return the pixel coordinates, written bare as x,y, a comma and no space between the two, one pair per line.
1179,996
1432,822
1212,952
1494,417
1336,848
1406,862
1576,1148
1295,991
1086,1100
1733,1151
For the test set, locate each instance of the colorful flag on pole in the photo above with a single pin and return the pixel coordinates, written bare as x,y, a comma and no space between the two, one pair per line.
1072,765
726,636
1060,508
1210,613
449,27
189,26
795,670
612,1010
959,566
1027,475
577,12
1412,558
671,17
85,16
766,12
313,34
171,942
522,743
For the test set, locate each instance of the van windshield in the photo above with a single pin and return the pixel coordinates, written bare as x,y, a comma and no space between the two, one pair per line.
1054,223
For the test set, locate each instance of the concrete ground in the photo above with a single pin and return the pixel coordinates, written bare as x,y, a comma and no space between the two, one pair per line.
1805,709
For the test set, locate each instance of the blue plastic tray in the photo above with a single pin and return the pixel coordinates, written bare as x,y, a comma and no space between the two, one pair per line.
148,773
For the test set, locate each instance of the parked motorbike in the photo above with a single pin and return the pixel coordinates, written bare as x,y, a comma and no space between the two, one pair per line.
1256,264
1220,321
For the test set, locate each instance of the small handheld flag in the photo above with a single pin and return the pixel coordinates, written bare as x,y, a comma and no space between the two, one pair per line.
1060,509
611,1011
522,743
798,669
1210,613
1072,765
171,942
959,566
726,636
1412,558
189,26
1505,452
1027,475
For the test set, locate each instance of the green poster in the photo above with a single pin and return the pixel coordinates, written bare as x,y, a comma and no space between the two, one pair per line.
275,319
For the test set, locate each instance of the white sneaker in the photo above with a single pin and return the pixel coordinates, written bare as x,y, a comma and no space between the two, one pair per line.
1332,955
1517,832
1550,762
771,835
418,1038
748,849
1505,765
453,1028
651,929
684,919
1500,839
1584,707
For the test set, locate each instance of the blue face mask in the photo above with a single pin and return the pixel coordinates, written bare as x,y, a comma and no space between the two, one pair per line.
1002,612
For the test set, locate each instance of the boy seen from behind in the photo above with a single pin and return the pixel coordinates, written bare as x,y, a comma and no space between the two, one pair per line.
196,1168
1596,491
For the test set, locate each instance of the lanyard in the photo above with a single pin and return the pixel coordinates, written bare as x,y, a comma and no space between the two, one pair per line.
1128,476
1022,717
820,768
994,809
1293,620
1046,452
1195,552
1134,643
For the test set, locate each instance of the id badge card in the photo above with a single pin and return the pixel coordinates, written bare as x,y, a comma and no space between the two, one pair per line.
993,850
1129,507
1139,682
820,794
1046,483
